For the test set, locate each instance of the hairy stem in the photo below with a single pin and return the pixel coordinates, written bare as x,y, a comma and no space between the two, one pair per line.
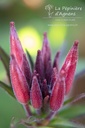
50,116
27,110
74,99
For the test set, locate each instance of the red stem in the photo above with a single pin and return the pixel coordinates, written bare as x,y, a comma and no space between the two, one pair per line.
27,110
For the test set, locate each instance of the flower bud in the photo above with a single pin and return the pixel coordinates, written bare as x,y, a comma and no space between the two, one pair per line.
48,72
39,65
19,83
44,88
46,58
17,51
57,95
69,66
25,67
15,45
54,76
35,94
46,52
56,61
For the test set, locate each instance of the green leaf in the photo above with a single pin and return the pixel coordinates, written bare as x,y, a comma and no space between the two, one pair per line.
7,89
30,59
64,123
5,60
71,112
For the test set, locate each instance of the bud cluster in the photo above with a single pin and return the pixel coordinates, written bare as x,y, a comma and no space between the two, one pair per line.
47,84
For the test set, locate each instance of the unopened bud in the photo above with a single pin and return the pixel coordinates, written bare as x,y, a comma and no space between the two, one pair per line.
56,61
46,58
35,94
54,76
25,67
19,83
69,66
15,45
57,95
39,65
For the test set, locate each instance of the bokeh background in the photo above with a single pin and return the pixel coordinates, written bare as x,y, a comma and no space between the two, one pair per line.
29,17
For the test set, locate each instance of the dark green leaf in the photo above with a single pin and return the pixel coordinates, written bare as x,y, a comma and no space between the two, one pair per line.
71,112
7,89
30,59
5,60
64,123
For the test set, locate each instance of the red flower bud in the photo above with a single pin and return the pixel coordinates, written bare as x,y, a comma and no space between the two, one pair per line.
19,83
39,65
56,61
44,88
69,66
35,94
46,58
15,45
57,95
17,51
26,69
48,72
54,76
46,52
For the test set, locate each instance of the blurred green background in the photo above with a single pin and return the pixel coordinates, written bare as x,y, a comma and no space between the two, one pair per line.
29,17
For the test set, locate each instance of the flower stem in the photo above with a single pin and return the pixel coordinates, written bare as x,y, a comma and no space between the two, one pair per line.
38,111
46,121
50,116
27,110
